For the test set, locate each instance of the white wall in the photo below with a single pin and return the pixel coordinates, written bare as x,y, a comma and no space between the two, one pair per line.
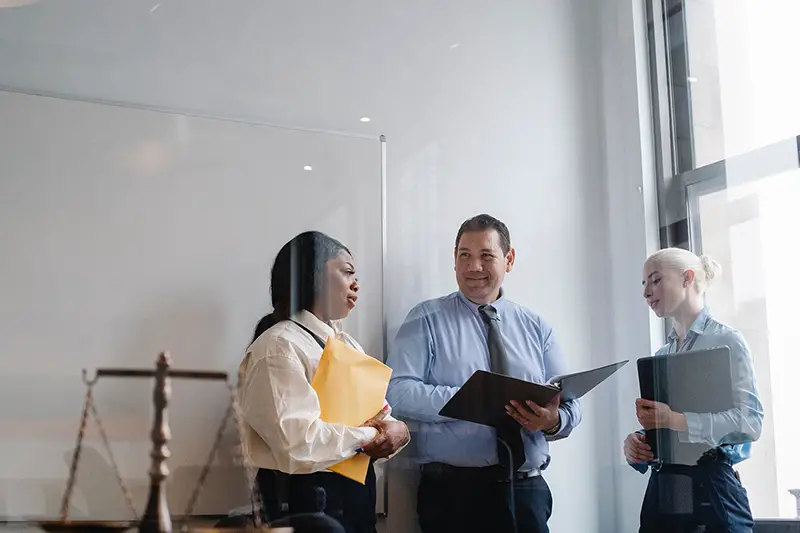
528,110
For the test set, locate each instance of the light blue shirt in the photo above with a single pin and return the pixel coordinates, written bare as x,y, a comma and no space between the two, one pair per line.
732,431
439,346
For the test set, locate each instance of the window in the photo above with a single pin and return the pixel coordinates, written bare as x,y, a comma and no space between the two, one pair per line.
726,100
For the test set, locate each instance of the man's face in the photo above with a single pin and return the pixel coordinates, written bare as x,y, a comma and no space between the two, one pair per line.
481,265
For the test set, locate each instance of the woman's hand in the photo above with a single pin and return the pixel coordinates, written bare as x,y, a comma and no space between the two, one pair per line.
637,450
382,414
654,415
392,435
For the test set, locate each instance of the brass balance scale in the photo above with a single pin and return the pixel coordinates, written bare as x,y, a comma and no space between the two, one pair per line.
156,518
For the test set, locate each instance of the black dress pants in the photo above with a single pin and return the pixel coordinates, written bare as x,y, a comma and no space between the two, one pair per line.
350,503
705,497
456,504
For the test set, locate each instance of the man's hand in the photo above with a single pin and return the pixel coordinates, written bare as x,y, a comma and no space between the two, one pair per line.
535,417
654,415
637,450
392,435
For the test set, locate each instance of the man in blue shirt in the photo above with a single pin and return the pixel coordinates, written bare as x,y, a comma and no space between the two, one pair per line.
440,345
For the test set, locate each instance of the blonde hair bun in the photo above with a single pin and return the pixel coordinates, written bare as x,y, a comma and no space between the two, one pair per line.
705,269
711,268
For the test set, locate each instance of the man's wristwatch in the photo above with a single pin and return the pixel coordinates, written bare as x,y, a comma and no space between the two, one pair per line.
555,429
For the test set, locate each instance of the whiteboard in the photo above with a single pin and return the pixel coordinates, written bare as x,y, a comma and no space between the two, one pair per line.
125,232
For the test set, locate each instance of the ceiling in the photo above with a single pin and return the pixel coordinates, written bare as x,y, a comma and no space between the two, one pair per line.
317,64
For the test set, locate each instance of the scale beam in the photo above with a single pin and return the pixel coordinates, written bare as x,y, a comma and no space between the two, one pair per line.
143,373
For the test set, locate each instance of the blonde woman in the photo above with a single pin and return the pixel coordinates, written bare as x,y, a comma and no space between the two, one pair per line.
675,281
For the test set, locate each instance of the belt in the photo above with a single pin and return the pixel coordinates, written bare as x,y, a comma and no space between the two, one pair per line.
714,455
495,473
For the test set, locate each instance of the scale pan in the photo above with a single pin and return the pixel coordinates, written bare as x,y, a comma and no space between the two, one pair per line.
263,529
85,526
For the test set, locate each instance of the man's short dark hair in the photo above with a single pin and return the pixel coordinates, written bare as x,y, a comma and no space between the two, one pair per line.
482,223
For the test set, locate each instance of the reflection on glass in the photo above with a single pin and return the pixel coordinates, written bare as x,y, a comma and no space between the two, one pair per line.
742,77
752,230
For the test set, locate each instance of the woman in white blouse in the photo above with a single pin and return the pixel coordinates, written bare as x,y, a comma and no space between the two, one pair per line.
313,287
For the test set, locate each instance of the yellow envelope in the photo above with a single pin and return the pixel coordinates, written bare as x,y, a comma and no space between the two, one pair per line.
351,387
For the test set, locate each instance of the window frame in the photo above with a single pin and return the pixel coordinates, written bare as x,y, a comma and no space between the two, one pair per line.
679,184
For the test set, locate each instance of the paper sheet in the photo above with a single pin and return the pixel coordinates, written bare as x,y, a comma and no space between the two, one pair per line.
351,387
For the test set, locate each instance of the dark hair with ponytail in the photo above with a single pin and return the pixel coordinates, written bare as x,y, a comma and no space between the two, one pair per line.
298,276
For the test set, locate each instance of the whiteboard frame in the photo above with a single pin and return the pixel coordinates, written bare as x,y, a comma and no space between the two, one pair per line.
178,111
384,308
384,512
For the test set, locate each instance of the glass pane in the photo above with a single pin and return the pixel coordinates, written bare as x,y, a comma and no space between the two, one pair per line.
130,232
742,77
751,229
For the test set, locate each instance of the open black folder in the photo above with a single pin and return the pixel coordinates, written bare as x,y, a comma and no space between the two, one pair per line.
482,399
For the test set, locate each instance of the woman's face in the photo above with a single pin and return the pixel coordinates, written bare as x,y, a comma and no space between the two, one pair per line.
341,287
665,289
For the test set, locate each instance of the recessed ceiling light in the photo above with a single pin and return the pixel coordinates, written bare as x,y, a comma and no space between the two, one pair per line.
365,119
307,167
454,46
152,9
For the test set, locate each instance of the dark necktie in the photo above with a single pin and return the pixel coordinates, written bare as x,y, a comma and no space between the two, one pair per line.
498,360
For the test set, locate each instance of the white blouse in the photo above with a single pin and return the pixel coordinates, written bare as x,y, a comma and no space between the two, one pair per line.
281,409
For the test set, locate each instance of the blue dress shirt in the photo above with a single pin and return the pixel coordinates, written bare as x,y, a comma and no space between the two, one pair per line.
439,346
732,431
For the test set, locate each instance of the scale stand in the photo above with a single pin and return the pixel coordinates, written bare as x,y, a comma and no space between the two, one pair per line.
156,518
